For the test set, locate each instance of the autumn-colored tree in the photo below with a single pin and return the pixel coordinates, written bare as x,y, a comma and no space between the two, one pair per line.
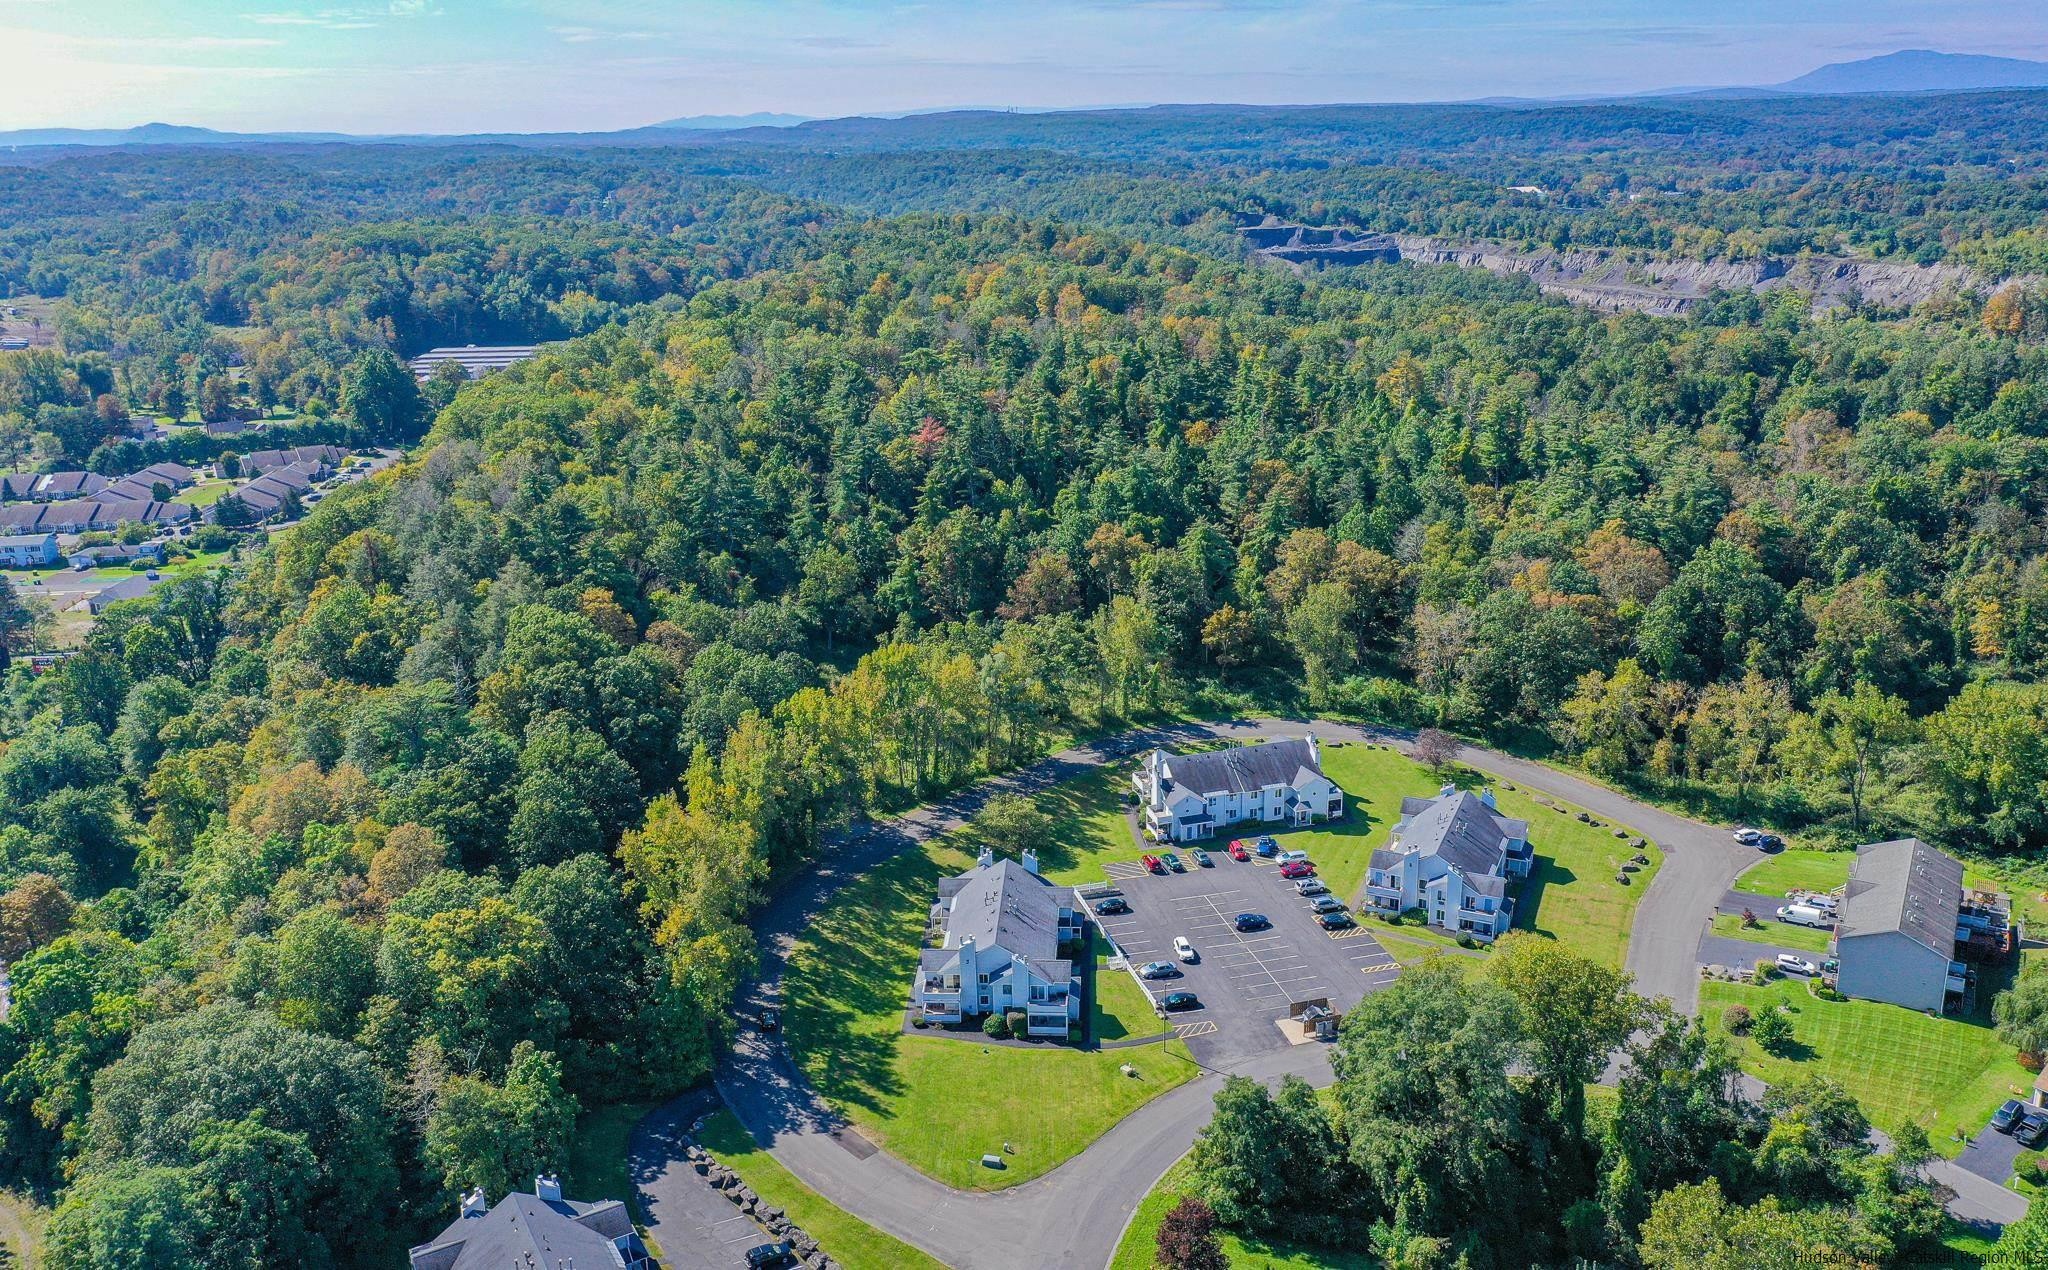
1187,1238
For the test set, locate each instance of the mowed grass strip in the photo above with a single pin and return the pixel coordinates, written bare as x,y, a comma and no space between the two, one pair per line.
1782,934
1796,869
1902,1065
940,1102
845,1238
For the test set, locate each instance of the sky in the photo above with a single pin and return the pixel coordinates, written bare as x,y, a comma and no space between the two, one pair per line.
445,66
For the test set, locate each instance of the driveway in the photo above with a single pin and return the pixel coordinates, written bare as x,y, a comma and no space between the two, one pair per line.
696,1228
1990,1155
1075,1215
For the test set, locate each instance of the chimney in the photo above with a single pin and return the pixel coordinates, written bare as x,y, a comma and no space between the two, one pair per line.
1030,860
986,858
548,1186
1447,790
1486,796
473,1203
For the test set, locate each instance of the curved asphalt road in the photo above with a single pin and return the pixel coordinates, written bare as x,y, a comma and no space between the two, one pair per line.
1075,1215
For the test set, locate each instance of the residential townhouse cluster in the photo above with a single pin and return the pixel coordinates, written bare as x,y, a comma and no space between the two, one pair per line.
1452,857
82,502
999,929
1190,796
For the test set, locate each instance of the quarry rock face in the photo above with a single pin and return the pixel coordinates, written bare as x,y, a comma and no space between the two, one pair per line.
1618,281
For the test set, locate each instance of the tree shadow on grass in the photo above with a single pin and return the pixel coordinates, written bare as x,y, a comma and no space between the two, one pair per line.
849,979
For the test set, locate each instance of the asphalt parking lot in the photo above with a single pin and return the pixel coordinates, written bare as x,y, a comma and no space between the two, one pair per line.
1245,980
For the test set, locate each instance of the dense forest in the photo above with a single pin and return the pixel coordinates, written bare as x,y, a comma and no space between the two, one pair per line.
336,884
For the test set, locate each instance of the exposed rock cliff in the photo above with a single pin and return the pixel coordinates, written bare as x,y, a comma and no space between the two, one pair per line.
1614,281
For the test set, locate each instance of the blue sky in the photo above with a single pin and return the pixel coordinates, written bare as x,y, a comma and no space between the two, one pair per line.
533,65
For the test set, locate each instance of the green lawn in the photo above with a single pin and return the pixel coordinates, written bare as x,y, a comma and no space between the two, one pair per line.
940,1102
205,493
1900,1064
1121,1008
844,1237
1783,934
1795,869
1141,1238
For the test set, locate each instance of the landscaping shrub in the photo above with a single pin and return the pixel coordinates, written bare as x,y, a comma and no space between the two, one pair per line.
1466,941
1765,968
1772,1031
2031,1060
1736,1018
1018,1025
996,1027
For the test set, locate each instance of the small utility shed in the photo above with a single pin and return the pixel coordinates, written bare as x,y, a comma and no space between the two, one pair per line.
1896,938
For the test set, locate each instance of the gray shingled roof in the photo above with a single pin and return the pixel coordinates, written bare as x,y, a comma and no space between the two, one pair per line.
1006,905
522,1225
1245,769
1458,828
1904,886
1385,859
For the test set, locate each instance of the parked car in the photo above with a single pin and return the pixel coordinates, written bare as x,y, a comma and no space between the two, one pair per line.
1200,857
1289,857
771,1020
1252,921
762,1255
1266,847
1237,851
1310,886
1185,950
2032,1129
1794,965
1805,915
1180,1001
1152,862
1112,905
1766,841
1296,869
1747,837
2008,1115
1334,921
1172,861
1326,904
1158,970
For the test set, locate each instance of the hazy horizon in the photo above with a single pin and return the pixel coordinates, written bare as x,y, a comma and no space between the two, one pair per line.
445,66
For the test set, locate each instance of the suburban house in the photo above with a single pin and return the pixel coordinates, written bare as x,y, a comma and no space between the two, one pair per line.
999,927
51,487
1452,856
537,1231
130,588
317,459
28,551
1190,796
476,360
115,554
1906,923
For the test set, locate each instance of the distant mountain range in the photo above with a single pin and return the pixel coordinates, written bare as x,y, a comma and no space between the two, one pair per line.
1921,71
729,123
1907,71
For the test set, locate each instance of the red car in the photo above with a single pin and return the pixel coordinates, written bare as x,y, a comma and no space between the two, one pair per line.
1237,851
1297,869
1153,863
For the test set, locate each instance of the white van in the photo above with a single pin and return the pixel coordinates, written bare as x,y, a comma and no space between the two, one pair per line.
1805,915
